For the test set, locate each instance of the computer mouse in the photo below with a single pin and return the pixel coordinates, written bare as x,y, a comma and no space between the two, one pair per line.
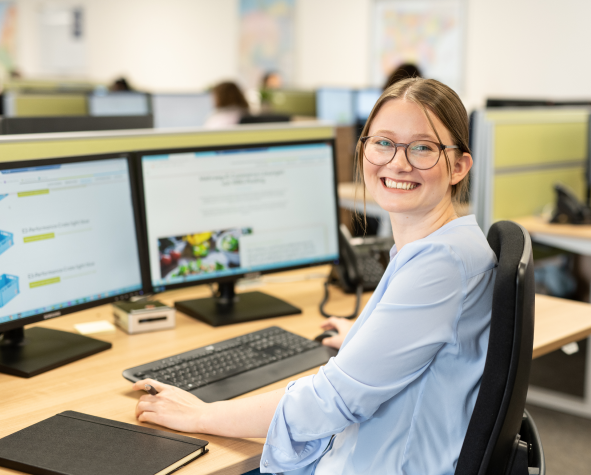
326,334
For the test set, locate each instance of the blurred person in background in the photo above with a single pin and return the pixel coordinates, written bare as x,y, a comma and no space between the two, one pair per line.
404,71
230,106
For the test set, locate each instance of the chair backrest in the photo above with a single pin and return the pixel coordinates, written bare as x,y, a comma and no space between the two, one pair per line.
492,434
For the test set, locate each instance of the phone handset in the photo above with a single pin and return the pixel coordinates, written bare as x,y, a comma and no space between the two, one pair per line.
346,273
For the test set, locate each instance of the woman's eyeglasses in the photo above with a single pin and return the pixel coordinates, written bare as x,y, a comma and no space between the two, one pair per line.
421,154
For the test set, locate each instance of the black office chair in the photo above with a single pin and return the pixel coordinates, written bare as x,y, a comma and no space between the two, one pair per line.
501,438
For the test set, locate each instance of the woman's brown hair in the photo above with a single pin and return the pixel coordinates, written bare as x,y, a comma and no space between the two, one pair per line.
228,94
440,100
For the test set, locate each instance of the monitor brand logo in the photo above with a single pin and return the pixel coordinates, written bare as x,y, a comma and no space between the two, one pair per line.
51,315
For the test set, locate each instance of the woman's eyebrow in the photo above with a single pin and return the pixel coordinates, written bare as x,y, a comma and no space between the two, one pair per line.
389,133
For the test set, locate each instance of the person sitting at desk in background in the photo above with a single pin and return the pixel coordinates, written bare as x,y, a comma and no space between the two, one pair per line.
398,397
230,106
404,71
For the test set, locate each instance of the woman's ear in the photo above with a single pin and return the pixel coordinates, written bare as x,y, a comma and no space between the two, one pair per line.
461,168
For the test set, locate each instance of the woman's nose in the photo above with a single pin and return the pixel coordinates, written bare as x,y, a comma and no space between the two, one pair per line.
399,162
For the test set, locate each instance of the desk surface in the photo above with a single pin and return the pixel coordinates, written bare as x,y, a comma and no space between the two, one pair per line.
94,385
537,224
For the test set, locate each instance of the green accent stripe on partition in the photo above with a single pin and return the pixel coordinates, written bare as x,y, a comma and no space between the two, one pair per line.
32,147
41,283
524,194
39,237
538,115
518,145
23,194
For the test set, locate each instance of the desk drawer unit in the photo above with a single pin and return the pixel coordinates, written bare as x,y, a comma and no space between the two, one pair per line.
6,241
8,288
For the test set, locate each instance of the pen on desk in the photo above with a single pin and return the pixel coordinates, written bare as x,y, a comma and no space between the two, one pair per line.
150,389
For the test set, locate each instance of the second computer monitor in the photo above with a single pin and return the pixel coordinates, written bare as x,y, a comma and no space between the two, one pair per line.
213,215
181,110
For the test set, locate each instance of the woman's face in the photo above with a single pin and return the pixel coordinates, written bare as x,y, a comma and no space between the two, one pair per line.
403,122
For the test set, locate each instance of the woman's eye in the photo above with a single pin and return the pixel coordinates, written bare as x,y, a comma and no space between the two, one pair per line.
422,148
384,143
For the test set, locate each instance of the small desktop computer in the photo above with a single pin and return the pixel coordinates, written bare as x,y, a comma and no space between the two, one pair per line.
217,214
70,243
336,105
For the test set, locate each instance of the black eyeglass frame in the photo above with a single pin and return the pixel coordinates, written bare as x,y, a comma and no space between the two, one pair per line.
440,146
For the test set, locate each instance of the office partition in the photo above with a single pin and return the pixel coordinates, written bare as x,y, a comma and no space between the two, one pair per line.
18,104
519,154
26,147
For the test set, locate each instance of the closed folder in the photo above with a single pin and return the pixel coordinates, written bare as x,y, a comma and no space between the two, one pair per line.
71,443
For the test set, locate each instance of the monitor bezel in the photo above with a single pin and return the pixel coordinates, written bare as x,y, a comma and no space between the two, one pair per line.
142,253
225,279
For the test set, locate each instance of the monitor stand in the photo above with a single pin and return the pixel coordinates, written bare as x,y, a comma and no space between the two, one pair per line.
228,307
36,350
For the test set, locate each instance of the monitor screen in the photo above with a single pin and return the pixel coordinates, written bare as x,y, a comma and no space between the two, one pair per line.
181,110
221,213
67,237
335,105
365,99
118,103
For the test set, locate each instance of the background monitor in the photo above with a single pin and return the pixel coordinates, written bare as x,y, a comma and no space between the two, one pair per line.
118,103
181,110
214,215
68,241
335,105
365,99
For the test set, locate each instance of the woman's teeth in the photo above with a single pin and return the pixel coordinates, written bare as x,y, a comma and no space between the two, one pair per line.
400,185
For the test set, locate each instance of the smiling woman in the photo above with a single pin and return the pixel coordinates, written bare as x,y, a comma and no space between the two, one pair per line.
399,395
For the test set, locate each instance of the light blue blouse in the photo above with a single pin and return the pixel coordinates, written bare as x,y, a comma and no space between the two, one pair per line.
399,395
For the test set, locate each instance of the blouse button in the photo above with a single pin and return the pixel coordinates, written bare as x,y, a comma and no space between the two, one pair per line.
266,464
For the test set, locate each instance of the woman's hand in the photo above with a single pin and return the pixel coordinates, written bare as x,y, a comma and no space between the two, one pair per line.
171,407
342,325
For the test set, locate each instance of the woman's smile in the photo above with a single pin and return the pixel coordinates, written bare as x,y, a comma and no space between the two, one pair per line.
399,184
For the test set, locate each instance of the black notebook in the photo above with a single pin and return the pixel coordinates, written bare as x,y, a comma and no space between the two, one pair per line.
72,443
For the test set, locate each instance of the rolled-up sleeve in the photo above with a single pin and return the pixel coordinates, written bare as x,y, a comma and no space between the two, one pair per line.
416,315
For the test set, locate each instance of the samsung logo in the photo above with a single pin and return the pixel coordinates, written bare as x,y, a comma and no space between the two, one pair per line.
51,315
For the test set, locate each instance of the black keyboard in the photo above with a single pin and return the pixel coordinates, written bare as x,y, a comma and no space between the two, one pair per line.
233,367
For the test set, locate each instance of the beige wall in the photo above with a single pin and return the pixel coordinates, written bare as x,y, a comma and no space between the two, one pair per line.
528,48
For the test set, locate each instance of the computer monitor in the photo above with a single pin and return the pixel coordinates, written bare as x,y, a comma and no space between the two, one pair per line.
335,105
365,99
118,103
217,214
181,110
68,242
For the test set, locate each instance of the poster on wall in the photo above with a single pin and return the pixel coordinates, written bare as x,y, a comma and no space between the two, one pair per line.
428,33
266,40
62,45
8,19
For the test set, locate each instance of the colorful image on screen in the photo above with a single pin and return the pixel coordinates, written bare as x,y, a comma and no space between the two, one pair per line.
200,253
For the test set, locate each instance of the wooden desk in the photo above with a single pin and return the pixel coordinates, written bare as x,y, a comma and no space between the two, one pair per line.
94,385
570,237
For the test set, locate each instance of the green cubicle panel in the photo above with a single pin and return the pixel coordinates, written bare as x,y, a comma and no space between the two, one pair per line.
49,85
522,154
519,145
292,102
45,105
522,194
27,147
